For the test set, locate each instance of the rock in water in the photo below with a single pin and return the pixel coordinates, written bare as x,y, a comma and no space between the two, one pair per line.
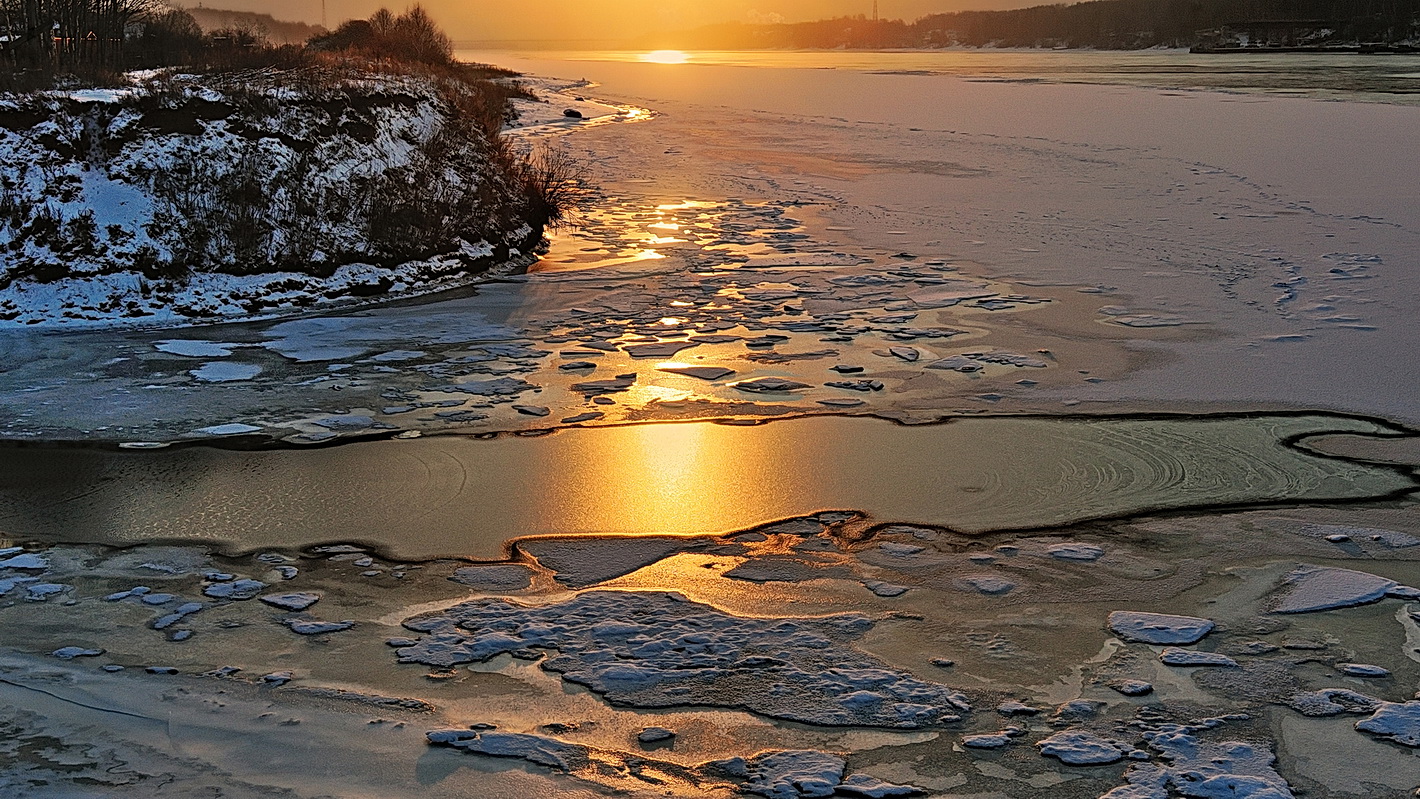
1158,628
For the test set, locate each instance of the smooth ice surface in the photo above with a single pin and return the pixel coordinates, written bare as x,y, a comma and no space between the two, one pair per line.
450,495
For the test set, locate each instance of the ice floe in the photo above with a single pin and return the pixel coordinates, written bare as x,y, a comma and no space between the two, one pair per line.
1311,588
656,649
1158,628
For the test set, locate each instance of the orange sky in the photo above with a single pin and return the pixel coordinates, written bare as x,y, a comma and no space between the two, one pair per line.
600,19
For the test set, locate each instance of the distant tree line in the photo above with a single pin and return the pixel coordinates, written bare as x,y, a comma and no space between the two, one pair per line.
1105,24
94,41
278,31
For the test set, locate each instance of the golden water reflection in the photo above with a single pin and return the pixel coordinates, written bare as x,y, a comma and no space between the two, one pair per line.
665,57
467,497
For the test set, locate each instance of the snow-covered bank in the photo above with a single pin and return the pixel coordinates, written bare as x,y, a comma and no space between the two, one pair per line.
192,198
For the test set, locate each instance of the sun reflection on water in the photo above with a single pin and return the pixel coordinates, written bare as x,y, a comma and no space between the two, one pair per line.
666,57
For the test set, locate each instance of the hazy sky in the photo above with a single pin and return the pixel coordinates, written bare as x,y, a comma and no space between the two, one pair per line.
599,19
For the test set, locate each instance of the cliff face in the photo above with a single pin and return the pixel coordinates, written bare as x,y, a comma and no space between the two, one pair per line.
189,198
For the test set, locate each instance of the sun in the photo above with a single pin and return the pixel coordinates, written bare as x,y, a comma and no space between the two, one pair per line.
666,57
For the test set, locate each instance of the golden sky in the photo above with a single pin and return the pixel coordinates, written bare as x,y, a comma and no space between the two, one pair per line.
599,19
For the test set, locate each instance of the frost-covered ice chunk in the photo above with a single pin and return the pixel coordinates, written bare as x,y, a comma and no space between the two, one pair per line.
40,592
794,774
770,385
660,349
1362,670
595,387
225,372
235,589
539,749
1395,721
494,577
883,589
178,614
1076,710
11,583
874,788
1014,707
1158,628
1076,551
398,356
988,584
1081,748
1202,769
1132,687
589,416
994,740
27,562
312,627
702,372
532,410
71,652
193,348
346,423
656,649
956,363
295,601
1333,702
651,735
784,775
233,429
582,562
1313,588
1173,656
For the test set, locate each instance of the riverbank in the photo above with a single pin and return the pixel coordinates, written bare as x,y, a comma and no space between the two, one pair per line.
192,198
986,248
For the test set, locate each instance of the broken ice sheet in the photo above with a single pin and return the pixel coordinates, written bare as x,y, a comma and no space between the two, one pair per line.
794,669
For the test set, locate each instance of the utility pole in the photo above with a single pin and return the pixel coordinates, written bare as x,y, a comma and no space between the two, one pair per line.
875,10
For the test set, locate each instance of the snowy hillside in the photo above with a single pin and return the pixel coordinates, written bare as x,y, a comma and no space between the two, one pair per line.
191,198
